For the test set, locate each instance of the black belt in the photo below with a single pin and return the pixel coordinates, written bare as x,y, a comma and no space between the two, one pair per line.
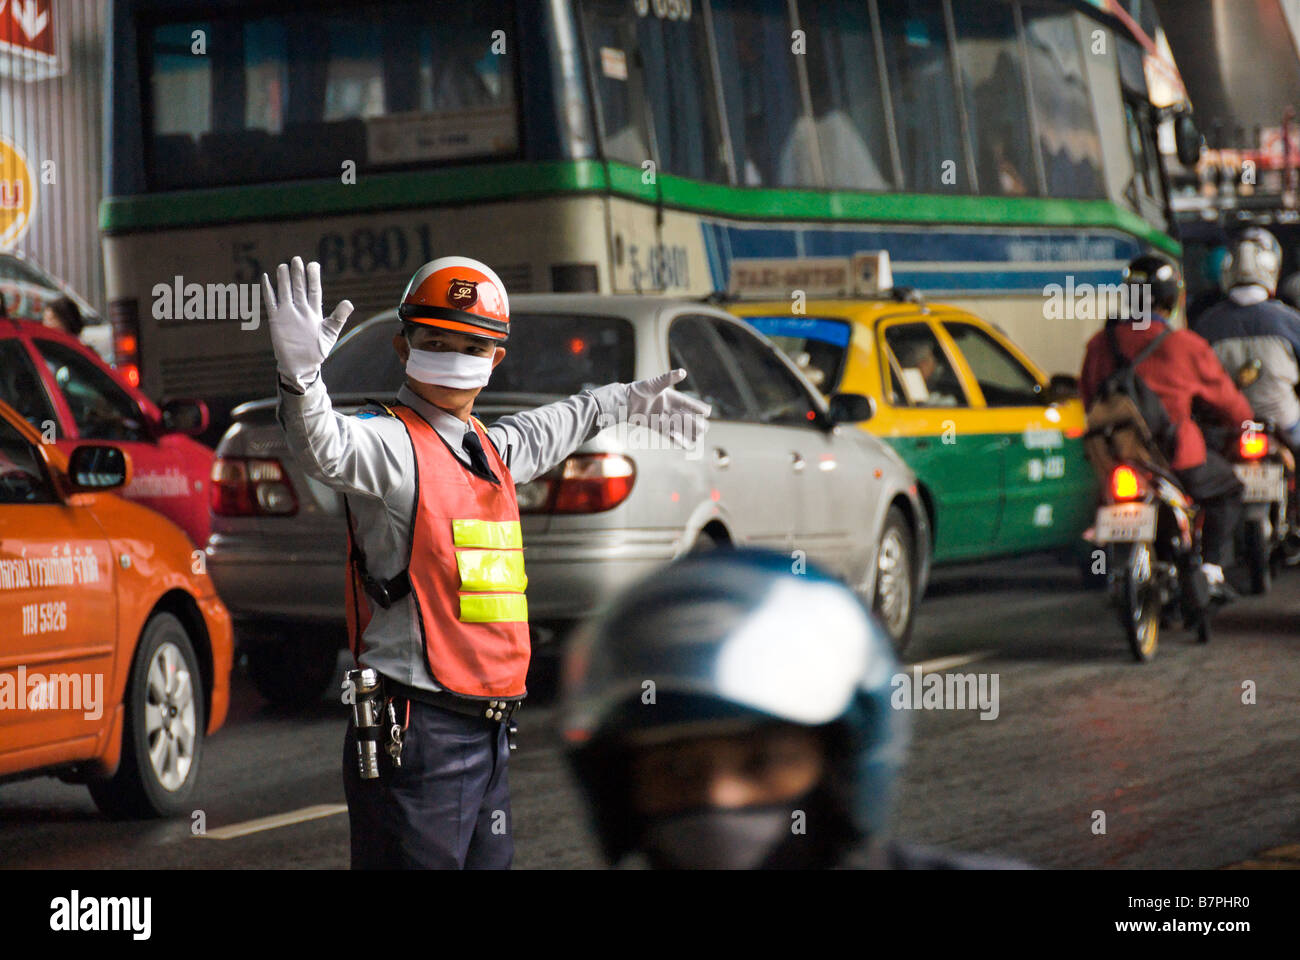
494,710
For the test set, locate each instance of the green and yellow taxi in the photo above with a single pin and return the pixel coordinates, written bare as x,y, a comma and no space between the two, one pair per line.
996,444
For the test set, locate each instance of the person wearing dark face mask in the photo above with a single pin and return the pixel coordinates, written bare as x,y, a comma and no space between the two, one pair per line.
726,713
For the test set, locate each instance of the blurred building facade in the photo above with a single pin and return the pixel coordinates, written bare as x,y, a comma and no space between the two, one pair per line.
52,95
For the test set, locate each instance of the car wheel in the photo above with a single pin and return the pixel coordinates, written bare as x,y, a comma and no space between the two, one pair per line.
894,601
292,668
162,736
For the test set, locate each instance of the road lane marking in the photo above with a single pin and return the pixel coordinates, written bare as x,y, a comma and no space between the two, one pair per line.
278,820
943,663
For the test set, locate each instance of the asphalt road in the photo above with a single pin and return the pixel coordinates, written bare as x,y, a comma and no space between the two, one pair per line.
1186,774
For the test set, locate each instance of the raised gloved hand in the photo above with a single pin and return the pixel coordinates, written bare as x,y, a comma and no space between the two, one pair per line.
681,418
301,335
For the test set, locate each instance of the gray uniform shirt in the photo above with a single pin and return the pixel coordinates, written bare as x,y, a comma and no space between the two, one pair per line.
369,458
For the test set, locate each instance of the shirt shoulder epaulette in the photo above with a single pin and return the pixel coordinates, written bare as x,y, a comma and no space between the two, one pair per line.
374,408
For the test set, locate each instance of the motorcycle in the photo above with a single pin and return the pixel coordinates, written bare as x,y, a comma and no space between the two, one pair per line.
1151,532
1268,535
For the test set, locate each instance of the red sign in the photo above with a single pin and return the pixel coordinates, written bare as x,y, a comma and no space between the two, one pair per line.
27,27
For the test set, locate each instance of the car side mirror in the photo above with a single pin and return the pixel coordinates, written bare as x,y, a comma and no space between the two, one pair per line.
1062,387
851,408
93,469
186,416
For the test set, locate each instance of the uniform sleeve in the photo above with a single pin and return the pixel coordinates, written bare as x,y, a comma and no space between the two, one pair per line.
534,441
351,454
1215,387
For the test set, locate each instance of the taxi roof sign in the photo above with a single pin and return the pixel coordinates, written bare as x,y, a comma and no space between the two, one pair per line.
865,274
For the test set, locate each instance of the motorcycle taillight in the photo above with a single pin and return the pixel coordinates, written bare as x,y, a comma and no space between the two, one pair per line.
1125,484
1254,445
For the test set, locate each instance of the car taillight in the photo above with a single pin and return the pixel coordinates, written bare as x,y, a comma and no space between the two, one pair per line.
1254,445
1125,484
584,483
245,487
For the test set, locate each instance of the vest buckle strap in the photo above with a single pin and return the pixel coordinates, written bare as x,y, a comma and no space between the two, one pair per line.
387,592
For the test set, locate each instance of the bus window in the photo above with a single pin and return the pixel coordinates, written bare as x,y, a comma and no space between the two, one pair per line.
925,98
771,138
643,64
618,76
1068,140
242,100
844,83
997,111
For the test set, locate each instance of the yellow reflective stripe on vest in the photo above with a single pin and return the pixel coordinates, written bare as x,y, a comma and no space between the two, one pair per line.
491,534
493,608
491,570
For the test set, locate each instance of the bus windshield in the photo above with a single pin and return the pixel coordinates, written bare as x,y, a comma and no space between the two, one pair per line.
245,99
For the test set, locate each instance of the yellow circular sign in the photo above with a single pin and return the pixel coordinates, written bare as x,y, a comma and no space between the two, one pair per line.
17,194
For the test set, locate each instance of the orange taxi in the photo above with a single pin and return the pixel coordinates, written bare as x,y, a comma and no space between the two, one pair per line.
115,650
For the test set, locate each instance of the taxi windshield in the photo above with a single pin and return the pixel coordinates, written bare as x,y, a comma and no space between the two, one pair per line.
817,345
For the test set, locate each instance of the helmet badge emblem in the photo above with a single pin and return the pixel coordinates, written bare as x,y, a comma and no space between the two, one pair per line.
462,293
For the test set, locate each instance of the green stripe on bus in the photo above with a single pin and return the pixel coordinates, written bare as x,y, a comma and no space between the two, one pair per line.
520,180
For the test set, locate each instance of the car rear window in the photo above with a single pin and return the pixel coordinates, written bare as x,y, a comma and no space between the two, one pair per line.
817,345
559,354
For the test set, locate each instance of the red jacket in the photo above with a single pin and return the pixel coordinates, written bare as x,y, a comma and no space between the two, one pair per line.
1182,369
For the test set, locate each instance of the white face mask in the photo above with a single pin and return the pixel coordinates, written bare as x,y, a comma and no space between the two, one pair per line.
447,368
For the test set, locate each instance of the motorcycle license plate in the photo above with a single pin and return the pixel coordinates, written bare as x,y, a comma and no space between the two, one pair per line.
1263,481
1126,523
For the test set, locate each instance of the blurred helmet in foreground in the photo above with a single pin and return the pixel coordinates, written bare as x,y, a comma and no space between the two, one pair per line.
1255,257
732,641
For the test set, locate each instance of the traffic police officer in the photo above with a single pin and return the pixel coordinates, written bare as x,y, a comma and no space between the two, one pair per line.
436,588
728,713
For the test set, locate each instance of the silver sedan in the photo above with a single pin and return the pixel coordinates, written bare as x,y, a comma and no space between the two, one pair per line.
775,469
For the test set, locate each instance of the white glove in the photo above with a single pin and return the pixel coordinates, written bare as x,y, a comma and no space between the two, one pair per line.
681,418
301,336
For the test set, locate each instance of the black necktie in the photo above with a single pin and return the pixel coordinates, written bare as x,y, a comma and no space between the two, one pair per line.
478,461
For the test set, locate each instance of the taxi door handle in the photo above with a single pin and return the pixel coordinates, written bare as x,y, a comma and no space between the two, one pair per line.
797,461
721,459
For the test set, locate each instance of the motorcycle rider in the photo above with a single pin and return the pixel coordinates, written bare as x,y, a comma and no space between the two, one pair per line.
1250,326
1183,369
728,713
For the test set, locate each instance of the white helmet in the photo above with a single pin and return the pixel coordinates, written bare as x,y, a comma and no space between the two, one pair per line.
1254,258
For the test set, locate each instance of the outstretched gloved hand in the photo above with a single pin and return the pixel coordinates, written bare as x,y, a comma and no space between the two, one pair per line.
681,418
301,335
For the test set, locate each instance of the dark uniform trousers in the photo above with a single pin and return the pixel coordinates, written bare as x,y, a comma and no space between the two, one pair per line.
446,808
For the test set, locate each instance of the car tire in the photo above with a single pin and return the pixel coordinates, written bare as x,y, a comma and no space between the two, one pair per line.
894,594
164,723
292,668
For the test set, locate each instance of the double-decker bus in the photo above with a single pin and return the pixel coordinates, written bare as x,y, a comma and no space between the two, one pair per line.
992,147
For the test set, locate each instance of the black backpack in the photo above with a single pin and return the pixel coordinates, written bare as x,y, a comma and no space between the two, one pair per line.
1124,382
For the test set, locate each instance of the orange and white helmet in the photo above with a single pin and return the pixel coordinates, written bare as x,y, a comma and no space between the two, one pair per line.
460,294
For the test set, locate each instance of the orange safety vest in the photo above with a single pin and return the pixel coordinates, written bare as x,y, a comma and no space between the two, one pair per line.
465,571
